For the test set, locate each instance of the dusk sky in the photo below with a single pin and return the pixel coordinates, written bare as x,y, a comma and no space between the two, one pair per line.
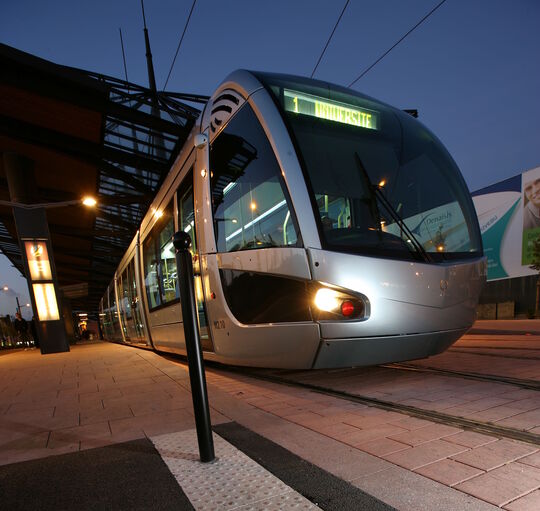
472,69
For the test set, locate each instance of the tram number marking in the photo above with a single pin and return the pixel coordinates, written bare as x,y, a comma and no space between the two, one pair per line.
220,324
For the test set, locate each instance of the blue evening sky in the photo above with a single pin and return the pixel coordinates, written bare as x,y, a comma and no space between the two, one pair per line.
472,69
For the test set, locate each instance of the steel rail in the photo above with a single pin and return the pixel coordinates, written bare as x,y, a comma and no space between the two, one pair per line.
519,382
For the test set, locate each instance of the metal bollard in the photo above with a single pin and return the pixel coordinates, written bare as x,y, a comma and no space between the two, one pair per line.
184,267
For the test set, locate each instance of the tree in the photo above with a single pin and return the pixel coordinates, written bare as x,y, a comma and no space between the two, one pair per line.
536,266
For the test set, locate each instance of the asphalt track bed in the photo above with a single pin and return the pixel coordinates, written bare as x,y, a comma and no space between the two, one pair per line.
126,476
133,476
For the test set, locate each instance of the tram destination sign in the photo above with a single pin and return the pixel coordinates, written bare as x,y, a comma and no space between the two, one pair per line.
301,103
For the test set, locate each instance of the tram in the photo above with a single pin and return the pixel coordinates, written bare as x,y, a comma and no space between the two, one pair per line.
329,230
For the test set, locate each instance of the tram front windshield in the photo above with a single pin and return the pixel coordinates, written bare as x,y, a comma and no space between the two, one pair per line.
381,183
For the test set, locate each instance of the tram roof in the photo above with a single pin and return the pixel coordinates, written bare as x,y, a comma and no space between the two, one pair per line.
88,134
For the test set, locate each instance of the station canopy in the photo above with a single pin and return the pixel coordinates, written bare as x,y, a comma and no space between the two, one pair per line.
88,135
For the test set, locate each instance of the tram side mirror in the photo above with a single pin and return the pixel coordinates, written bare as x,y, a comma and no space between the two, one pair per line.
200,140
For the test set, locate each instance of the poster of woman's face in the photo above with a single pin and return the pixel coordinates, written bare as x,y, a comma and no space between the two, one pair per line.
531,200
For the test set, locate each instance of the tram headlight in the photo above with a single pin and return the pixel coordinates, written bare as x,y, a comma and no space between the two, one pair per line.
327,299
334,304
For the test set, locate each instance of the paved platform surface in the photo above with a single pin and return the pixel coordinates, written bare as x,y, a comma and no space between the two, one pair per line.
104,400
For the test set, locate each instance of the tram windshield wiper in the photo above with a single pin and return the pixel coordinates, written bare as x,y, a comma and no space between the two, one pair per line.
376,191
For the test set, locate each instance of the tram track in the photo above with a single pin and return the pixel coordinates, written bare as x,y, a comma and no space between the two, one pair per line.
518,382
285,377
413,411
469,351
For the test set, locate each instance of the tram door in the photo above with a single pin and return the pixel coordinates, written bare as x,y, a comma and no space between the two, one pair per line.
133,326
186,222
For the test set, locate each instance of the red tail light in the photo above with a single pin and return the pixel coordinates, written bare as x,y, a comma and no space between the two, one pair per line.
347,308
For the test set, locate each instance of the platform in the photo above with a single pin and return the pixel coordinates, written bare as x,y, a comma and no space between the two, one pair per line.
111,426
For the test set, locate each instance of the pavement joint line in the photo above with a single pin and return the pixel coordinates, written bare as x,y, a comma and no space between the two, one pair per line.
158,368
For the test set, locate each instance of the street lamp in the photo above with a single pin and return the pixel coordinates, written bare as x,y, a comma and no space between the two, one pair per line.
16,295
87,201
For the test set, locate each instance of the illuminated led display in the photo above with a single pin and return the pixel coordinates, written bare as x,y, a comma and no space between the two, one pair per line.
47,306
307,104
38,260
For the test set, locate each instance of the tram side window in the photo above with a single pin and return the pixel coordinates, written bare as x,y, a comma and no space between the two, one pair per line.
160,262
186,214
151,272
125,298
168,261
250,203
116,332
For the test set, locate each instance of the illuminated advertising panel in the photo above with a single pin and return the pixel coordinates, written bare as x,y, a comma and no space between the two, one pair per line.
301,103
38,260
47,307
509,217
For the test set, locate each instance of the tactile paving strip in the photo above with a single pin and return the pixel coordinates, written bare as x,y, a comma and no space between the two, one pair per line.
232,481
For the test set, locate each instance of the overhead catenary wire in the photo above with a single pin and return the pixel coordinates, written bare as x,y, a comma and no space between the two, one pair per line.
395,44
329,39
180,43
123,55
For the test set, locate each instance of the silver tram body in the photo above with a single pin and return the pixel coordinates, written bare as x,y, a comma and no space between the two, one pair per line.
330,230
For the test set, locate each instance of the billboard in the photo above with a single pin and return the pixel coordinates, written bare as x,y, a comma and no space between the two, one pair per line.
509,217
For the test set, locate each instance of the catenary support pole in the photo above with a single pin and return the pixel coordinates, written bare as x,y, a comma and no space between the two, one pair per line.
197,378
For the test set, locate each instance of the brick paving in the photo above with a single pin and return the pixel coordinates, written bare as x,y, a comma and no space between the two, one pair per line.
100,394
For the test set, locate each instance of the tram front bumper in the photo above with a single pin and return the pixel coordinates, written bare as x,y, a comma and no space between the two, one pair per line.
368,351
